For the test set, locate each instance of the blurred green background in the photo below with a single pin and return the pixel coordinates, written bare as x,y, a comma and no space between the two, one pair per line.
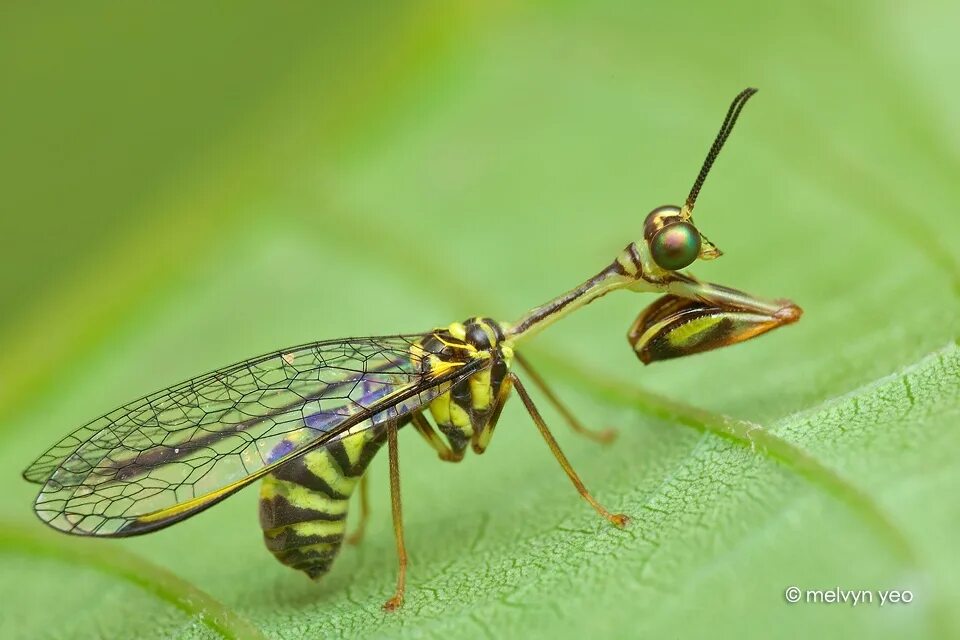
186,185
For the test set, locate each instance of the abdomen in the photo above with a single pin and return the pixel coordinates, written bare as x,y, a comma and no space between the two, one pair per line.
303,504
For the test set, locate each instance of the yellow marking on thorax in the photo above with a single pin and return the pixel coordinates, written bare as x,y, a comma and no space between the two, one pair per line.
440,367
458,330
491,333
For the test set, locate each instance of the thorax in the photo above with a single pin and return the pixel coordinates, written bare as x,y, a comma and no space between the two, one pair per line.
466,408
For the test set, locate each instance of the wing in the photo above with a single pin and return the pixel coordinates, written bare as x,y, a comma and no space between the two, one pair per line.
176,452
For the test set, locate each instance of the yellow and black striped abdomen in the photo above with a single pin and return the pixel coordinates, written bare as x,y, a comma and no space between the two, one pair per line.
303,504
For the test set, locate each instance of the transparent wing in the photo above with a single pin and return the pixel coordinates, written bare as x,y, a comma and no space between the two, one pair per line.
171,454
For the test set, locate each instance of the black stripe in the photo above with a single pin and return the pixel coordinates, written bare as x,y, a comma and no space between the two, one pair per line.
493,324
287,541
618,268
339,454
368,451
165,454
476,336
315,569
460,393
313,563
498,372
277,512
296,471
458,441
635,257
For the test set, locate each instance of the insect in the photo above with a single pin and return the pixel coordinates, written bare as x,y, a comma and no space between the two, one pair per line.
308,420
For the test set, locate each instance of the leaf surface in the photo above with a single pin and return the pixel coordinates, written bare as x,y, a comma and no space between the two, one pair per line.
390,171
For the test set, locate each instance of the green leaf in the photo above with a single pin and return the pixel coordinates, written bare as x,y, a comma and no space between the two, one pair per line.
188,188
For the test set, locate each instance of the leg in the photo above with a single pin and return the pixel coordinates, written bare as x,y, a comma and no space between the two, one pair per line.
424,428
617,519
394,603
481,439
603,435
357,535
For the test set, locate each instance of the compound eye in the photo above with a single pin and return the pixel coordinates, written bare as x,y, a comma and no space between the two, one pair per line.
660,217
675,246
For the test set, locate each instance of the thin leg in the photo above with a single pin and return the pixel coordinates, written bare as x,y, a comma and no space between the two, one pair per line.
605,436
481,439
617,519
394,603
424,428
357,535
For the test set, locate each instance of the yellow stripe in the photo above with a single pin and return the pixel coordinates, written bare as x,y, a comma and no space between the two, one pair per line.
489,330
318,528
480,391
353,445
692,331
321,464
439,368
440,409
652,331
189,505
460,418
320,547
300,496
458,331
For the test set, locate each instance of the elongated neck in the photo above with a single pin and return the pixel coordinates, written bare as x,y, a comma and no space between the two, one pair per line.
535,320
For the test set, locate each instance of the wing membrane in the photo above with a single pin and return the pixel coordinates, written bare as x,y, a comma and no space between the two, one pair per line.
175,452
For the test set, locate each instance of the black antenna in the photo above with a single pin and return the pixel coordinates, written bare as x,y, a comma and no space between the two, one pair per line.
732,114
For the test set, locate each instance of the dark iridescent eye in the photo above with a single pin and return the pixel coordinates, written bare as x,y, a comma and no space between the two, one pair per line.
675,246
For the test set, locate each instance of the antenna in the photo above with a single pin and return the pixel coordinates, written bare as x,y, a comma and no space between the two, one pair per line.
732,114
